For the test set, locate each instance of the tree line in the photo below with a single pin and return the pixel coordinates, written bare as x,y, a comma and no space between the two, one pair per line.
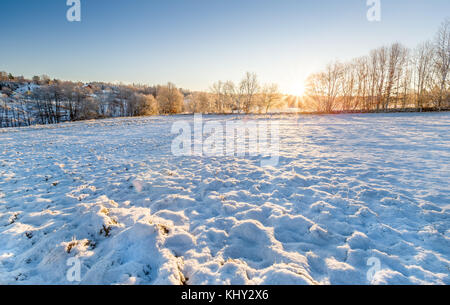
41,100
390,78
247,96
44,101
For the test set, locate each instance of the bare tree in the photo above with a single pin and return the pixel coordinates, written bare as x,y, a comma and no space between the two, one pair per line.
221,101
405,87
149,105
200,102
324,89
442,62
143,105
235,95
381,59
269,97
362,80
423,59
249,86
170,99
397,54
347,85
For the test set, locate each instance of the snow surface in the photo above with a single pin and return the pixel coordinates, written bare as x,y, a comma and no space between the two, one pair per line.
348,188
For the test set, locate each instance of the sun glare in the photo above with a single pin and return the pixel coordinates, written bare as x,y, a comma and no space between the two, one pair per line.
296,89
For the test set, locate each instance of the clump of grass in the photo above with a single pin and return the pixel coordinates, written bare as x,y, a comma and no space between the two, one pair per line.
13,218
165,230
105,231
70,246
91,244
86,243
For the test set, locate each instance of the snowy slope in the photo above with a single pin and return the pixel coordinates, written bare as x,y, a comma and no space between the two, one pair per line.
347,189
24,89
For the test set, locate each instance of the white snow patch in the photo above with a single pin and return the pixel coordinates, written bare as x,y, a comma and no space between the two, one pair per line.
110,193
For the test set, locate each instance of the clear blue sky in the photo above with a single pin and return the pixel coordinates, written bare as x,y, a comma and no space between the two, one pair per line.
196,42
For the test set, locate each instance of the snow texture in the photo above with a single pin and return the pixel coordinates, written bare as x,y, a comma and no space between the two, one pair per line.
347,188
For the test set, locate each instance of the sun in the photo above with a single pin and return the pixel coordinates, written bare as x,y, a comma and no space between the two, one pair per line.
297,89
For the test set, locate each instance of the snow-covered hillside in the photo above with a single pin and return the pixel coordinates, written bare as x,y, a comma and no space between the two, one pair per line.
348,190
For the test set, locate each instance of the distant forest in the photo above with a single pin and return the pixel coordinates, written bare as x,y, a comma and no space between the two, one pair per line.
390,78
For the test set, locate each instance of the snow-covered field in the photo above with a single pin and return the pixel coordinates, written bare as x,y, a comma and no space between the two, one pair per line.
348,190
